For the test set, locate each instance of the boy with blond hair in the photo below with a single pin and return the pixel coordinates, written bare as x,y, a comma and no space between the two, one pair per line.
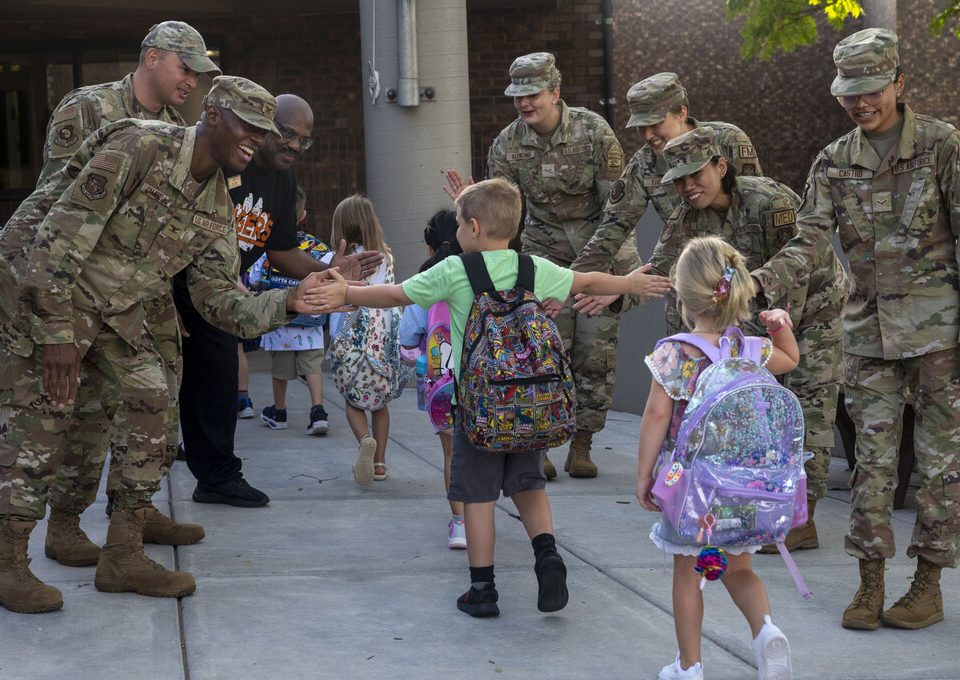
488,214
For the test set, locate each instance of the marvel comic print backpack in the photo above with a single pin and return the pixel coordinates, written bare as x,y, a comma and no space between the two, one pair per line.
739,452
516,388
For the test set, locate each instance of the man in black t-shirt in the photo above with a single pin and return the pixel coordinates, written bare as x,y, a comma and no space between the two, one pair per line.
264,198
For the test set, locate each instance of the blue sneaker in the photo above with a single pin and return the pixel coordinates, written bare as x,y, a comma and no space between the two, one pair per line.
275,418
244,407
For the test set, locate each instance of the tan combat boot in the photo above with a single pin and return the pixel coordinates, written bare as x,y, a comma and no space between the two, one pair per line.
124,568
803,537
160,529
549,470
922,606
67,543
20,590
867,606
578,460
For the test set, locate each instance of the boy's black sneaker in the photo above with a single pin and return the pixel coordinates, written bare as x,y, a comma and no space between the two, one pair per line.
552,579
275,418
480,602
318,421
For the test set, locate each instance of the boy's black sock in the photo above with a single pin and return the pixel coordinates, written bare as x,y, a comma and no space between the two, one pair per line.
543,544
481,576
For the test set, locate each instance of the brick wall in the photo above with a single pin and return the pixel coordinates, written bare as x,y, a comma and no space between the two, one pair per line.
930,64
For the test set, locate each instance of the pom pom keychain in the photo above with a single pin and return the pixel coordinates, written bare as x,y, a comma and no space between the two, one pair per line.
712,561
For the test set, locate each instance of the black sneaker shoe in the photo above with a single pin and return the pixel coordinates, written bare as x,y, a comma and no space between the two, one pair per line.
233,492
318,421
275,418
552,579
480,603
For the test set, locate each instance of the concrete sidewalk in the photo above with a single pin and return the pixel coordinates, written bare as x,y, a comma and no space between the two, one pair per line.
336,581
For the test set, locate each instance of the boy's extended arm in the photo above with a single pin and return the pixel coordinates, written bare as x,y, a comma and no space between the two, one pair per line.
635,283
382,295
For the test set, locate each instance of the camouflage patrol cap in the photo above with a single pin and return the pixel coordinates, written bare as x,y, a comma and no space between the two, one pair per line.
245,98
185,40
653,97
866,62
531,74
688,153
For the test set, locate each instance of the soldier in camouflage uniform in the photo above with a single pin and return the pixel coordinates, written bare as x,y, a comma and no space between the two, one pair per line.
757,216
172,54
659,112
891,187
138,202
564,160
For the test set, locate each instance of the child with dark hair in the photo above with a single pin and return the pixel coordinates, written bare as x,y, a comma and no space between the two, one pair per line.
440,235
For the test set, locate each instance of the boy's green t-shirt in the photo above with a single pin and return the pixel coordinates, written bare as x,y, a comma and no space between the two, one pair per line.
448,281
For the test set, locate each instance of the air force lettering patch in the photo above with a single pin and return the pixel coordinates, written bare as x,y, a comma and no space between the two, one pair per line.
211,225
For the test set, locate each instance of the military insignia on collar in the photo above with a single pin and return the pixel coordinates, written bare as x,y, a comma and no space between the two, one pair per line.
616,192
95,187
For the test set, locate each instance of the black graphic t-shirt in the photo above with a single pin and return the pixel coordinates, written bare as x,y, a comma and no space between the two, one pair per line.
264,203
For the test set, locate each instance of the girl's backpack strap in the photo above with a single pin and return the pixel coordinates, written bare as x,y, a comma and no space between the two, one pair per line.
711,352
750,346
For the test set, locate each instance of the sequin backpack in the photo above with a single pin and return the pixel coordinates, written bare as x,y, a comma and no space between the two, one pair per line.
739,452
516,385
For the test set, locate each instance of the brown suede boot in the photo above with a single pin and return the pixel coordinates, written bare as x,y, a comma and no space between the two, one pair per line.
549,470
578,460
124,568
803,537
67,543
160,529
922,606
867,606
20,590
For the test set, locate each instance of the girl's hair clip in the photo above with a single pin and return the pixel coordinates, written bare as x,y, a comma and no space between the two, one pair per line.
721,292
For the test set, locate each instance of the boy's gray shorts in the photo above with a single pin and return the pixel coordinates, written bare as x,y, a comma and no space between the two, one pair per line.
479,477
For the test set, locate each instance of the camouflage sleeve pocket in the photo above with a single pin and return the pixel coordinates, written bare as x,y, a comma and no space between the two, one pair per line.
97,186
611,167
66,132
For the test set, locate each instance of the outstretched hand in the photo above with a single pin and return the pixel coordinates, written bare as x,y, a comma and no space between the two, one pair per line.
325,295
305,298
455,183
357,266
648,286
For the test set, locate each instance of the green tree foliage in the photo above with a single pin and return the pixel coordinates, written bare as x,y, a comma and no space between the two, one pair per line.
772,26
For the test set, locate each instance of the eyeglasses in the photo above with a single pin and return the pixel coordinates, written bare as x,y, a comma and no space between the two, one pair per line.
288,134
869,98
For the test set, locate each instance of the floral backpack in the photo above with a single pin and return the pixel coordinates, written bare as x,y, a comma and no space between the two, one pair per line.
366,364
737,467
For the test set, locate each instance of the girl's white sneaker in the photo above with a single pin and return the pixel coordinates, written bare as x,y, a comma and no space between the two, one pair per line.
772,652
674,672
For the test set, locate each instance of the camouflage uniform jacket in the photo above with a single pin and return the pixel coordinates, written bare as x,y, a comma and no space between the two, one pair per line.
87,109
898,220
565,179
640,184
108,244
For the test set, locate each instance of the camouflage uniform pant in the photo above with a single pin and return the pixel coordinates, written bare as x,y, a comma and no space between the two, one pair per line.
78,477
875,395
591,341
35,436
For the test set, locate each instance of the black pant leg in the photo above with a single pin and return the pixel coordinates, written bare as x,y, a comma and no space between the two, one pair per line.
208,394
